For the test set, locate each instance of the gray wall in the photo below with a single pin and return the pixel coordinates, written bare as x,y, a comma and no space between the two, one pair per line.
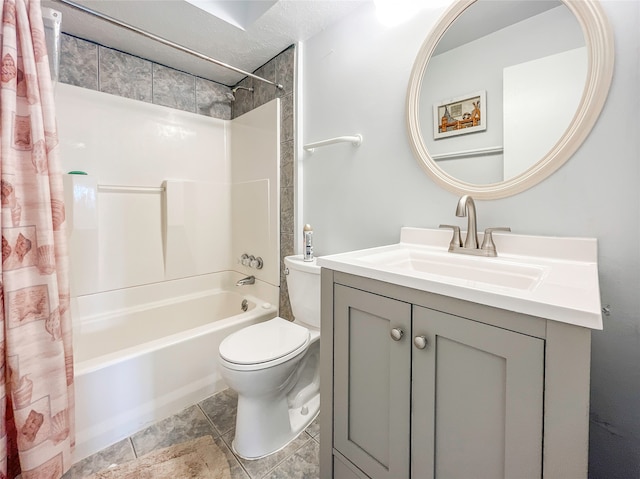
355,79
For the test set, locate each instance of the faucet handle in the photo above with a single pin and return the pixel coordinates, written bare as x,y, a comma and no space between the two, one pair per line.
456,240
487,242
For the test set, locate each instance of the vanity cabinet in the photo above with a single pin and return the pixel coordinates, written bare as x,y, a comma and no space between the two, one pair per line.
420,385
372,380
477,392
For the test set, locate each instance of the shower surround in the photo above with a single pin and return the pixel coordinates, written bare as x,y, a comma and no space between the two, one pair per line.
170,202
97,67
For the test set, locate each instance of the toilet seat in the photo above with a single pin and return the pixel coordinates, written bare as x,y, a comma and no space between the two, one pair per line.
264,345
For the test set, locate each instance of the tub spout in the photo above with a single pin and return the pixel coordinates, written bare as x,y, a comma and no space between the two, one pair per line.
247,280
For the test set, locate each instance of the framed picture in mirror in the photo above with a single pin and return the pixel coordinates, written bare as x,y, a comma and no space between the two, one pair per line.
460,115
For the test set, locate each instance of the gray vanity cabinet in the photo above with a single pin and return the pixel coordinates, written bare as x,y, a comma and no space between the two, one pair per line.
477,399
415,388
372,382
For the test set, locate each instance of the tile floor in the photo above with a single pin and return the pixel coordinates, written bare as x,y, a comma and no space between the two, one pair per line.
214,416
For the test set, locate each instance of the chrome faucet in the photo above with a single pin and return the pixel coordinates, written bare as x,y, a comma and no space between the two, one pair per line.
246,281
467,207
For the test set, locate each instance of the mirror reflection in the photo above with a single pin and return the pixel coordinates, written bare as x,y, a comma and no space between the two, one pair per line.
501,88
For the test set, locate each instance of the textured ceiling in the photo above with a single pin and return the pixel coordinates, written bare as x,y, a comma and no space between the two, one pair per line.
285,23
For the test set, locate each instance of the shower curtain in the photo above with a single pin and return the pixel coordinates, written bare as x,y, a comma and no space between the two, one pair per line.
36,362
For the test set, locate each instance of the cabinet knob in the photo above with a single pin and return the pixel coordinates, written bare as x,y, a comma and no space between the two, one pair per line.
420,342
396,334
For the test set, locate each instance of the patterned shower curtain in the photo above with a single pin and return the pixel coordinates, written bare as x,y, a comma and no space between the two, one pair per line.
36,361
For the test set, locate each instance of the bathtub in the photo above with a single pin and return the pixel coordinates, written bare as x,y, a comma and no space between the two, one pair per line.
145,353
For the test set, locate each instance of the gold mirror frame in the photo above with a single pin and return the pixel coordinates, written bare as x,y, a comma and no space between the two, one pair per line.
600,51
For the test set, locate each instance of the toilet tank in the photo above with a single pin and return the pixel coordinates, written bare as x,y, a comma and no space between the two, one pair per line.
303,284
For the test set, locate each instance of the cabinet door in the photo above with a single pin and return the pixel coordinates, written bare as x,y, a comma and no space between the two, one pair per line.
372,382
477,400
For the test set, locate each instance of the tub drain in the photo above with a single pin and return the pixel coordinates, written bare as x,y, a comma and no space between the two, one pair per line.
245,305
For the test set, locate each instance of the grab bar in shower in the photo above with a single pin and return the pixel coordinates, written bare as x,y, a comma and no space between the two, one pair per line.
130,189
355,140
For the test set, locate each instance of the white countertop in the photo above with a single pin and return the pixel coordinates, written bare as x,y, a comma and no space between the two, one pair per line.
548,277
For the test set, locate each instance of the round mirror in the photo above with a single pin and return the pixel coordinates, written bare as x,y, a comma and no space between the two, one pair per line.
502,93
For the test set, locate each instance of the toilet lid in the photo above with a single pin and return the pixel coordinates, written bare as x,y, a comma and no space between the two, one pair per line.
264,342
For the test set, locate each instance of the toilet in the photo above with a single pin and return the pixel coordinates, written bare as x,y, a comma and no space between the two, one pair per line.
274,368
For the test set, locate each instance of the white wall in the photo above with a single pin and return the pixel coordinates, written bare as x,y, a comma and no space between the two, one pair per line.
356,74
553,84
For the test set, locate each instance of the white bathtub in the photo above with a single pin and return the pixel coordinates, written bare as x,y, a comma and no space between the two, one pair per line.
154,351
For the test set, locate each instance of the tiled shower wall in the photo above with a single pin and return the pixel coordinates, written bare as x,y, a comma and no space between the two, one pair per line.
88,65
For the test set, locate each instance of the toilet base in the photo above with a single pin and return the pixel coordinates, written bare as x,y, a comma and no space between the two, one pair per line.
283,425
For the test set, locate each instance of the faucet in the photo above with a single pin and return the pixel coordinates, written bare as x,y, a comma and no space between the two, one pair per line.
467,207
246,281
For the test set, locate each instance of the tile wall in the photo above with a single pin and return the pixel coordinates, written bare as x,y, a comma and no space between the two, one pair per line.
89,65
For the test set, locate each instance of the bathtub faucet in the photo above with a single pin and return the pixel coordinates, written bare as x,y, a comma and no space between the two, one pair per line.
247,280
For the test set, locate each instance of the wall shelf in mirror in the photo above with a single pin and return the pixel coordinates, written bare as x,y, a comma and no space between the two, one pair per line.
492,150
588,37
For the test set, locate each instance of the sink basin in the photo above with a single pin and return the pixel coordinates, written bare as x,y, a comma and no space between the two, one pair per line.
456,267
548,277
